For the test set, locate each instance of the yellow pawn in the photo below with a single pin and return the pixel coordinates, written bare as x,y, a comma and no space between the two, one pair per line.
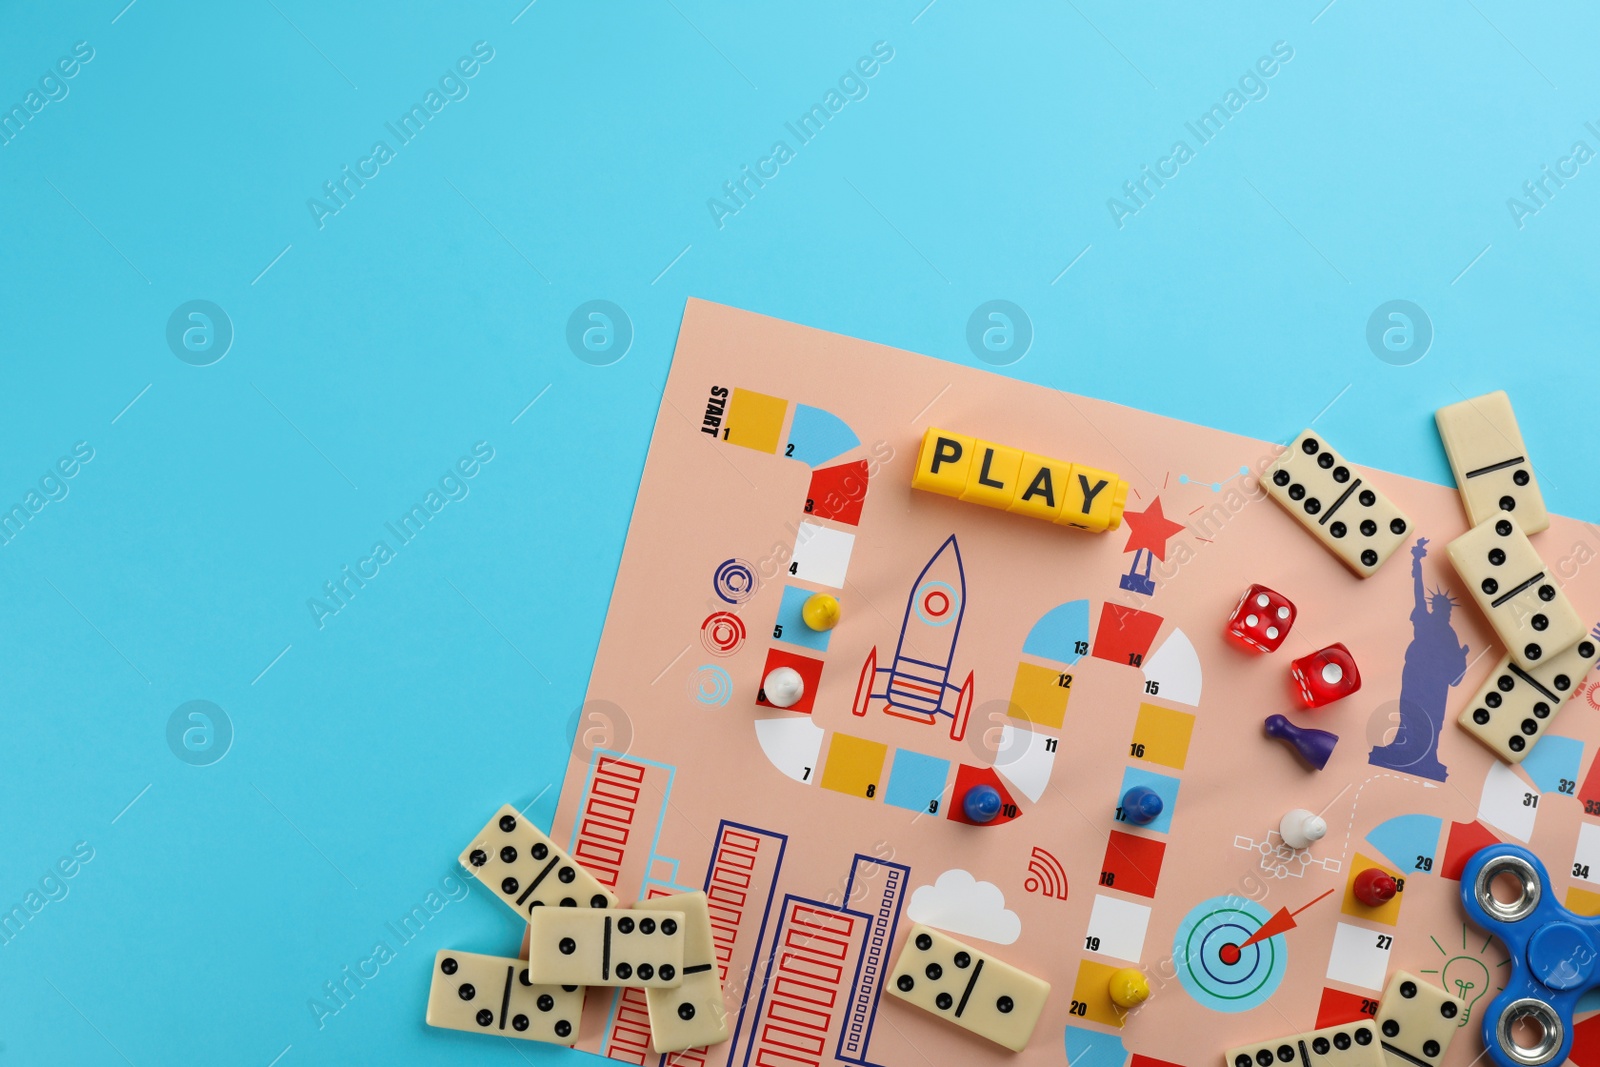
1129,988
821,612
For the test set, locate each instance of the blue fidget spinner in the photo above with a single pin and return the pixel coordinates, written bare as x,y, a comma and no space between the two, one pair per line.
1554,955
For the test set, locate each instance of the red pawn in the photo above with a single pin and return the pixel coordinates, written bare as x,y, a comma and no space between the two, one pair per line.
1374,888
1325,676
1261,619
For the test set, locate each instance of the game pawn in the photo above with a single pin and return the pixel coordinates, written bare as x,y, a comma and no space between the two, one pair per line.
783,687
1374,887
981,804
1315,747
1142,805
1301,828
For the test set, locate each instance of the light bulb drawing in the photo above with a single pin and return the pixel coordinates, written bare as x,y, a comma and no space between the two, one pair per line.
1467,973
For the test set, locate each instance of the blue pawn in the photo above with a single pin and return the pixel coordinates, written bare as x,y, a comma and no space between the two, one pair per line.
1141,805
981,804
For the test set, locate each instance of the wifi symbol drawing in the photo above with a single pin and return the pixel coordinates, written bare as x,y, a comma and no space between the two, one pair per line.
1046,876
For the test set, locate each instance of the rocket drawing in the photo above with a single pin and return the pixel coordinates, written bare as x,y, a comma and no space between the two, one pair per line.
917,686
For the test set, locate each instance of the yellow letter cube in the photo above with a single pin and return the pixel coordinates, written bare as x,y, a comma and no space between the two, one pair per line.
1041,487
943,462
992,478
1094,499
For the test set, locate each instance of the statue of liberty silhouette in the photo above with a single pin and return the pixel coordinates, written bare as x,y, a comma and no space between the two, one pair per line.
1435,662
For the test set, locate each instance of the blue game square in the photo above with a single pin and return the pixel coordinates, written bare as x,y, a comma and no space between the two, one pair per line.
795,631
916,781
1165,786
1553,765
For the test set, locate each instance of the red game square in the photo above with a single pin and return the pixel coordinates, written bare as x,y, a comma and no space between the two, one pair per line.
837,492
1465,839
1339,1007
1589,791
1125,634
810,673
967,777
1132,864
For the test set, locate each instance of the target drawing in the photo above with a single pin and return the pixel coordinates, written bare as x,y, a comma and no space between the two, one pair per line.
936,603
722,633
734,581
711,685
1218,964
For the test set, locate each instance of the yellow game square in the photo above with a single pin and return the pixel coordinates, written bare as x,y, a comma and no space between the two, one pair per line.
1582,901
854,766
992,478
1161,735
1093,499
951,454
1041,487
755,420
1389,913
1091,995
1039,696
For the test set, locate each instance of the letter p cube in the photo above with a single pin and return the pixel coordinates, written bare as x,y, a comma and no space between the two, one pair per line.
943,463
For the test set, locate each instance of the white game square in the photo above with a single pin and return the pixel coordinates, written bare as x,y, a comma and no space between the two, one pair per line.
821,555
1119,927
1360,956
1586,858
1508,803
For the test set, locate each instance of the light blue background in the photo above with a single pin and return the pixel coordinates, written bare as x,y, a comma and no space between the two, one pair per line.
427,314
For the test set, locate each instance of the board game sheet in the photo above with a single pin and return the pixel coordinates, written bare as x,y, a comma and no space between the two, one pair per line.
1060,668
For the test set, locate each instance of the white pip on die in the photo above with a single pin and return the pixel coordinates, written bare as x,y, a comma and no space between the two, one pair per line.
527,870
1417,1021
1515,591
989,998
622,947
491,995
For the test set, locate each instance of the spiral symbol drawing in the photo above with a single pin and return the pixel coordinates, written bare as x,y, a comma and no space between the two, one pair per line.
722,633
735,581
711,685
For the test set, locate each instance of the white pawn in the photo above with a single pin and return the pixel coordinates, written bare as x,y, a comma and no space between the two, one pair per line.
1301,828
783,687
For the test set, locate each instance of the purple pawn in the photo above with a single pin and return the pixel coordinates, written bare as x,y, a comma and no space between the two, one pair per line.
1313,746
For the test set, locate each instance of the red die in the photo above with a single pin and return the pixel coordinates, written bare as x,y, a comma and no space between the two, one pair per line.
1262,619
1325,676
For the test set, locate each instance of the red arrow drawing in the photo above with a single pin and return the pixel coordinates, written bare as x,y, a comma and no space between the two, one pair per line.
1281,921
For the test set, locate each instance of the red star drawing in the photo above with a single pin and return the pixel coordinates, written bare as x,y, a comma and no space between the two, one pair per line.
1149,530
